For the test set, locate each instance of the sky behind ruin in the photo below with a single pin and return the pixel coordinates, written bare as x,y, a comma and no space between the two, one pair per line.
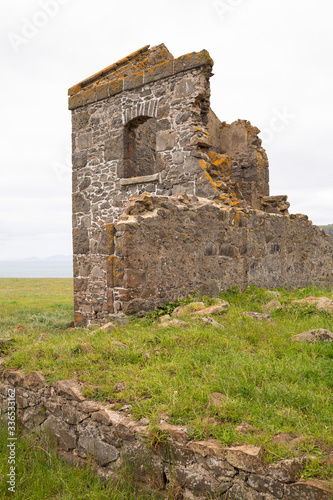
272,67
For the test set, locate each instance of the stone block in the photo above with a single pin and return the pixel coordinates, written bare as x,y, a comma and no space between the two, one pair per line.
206,448
66,436
69,389
192,165
158,72
115,271
33,417
192,60
266,485
89,96
102,91
80,204
75,101
133,80
84,141
110,233
109,301
116,86
136,305
145,179
179,434
99,242
165,140
133,278
196,480
79,160
114,148
185,88
74,90
34,380
245,457
79,319
14,377
309,490
70,415
80,285
80,241
312,336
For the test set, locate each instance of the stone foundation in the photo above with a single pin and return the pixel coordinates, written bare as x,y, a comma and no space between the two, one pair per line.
162,459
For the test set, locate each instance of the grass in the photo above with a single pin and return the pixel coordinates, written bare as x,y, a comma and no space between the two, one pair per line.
36,303
274,385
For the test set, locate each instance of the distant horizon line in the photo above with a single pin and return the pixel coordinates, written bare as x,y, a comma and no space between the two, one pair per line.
29,259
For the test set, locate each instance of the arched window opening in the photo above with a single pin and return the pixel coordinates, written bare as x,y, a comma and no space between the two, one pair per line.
140,147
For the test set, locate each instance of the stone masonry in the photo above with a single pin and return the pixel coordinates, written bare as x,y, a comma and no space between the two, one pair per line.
172,464
168,200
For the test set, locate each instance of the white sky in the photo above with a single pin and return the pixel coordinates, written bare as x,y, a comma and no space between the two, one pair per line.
273,59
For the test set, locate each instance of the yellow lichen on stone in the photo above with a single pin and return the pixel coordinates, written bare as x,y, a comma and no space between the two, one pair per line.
115,271
110,238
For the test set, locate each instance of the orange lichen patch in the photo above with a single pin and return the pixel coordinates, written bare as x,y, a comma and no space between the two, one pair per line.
238,219
158,72
102,91
110,229
76,88
79,319
210,180
89,96
193,60
220,163
133,80
115,271
75,101
203,57
116,86
142,66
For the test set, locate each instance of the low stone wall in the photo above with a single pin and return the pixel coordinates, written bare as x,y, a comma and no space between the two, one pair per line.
167,247
163,460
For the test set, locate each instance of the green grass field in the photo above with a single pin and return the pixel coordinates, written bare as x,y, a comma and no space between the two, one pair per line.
274,385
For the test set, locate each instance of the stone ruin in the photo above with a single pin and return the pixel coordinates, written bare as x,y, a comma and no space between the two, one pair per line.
168,200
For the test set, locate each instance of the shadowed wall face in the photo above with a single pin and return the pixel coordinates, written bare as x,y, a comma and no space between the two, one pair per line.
140,147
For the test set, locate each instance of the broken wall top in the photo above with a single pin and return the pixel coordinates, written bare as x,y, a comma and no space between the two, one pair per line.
143,66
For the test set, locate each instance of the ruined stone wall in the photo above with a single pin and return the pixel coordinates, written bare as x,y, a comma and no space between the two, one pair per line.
144,125
173,100
190,469
249,160
167,247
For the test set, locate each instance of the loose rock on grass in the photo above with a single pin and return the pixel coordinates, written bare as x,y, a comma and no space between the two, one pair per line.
312,336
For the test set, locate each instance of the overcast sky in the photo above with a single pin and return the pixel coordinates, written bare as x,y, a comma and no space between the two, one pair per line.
273,66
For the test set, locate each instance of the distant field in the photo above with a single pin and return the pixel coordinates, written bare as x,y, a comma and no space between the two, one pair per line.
328,229
37,303
274,385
